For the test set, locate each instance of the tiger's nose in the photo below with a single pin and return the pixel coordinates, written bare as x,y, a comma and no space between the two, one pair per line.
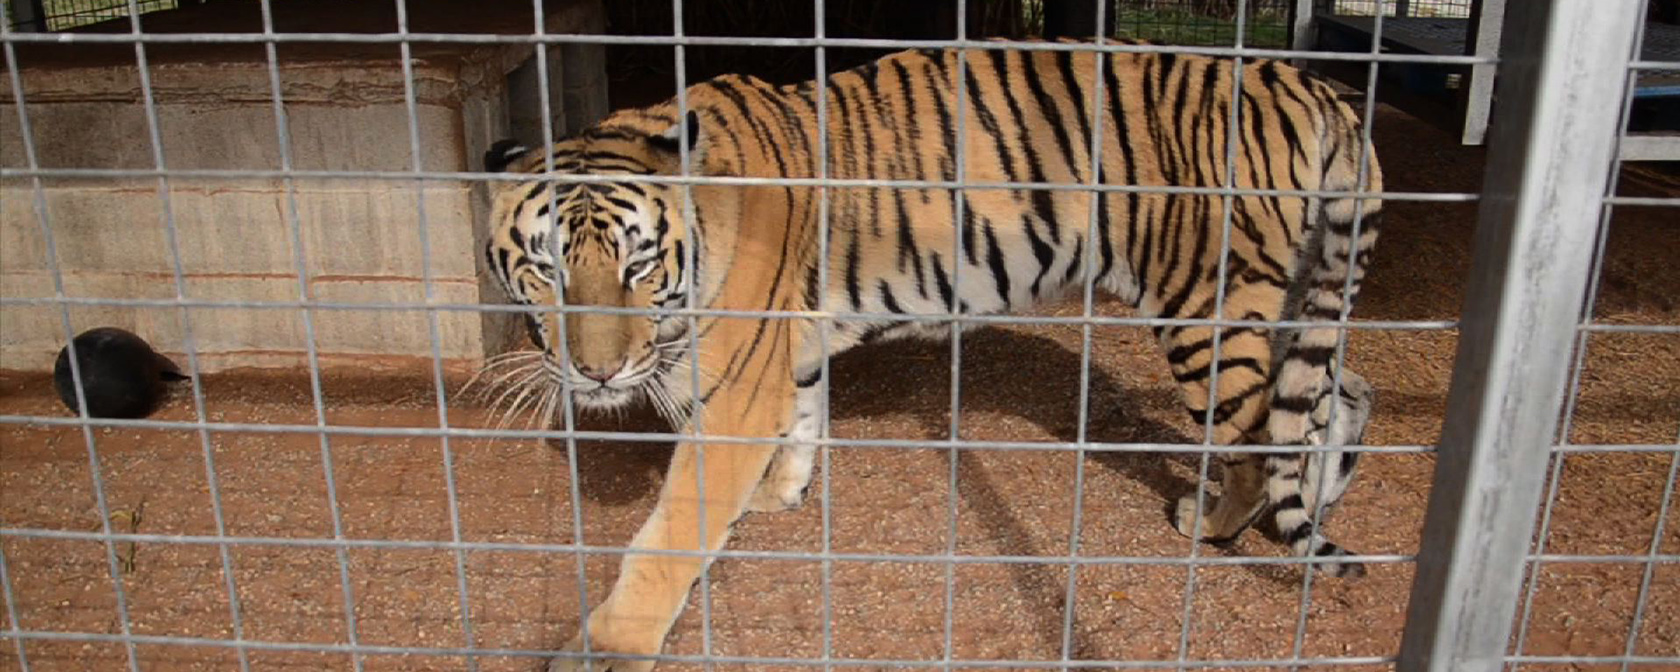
602,374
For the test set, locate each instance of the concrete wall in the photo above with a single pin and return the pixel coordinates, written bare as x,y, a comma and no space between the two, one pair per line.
238,237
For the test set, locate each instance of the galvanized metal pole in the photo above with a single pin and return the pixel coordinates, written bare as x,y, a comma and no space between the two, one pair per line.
1560,90
1487,20
1300,26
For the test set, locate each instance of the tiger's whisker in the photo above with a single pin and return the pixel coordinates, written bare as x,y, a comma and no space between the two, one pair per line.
537,403
503,376
510,389
548,407
498,362
513,409
666,405
505,381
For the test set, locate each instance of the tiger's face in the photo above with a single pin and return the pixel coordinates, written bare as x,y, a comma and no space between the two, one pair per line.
613,245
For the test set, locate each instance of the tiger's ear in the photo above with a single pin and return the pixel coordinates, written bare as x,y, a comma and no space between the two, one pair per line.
671,139
502,154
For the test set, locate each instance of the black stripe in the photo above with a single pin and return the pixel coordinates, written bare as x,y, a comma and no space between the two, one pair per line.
530,194
1070,80
994,259
1052,115
1301,405
943,282
1253,136
988,119
1350,459
1041,252
1180,100
1226,364
679,257
867,108
853,291
1269,77
1182,352
1155,225
790,118
813,291
912,131
1123,139
1317,356
1230,405
887,299
1077,260
759,130
1043,202
947,132
1104,234
966,232
841,152
781,327
620,203
1174,305
908,252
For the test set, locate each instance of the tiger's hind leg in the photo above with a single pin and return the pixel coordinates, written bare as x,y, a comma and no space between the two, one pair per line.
1329,473
1301,390
789,475
1326,477
1297,483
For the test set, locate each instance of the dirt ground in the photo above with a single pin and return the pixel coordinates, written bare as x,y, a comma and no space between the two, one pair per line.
1018,384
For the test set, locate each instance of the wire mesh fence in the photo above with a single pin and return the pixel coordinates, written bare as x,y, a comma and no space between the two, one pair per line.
1444,9
991,502
50,15
1266,23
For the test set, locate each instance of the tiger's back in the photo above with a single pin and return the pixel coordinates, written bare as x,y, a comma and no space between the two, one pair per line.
1026,117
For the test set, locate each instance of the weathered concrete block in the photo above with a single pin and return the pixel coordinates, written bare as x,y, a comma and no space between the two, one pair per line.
31,335
345,107
405,332
381,221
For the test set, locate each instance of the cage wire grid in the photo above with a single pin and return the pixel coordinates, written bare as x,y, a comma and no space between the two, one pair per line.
1577,366
66,14
307,306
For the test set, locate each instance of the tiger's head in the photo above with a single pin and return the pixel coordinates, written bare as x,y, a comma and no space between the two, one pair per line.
595,244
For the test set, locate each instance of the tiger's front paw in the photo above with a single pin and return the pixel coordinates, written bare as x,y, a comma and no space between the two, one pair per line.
600,659
778,494
786,481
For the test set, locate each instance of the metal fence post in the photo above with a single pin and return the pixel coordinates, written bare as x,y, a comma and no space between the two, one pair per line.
1552,143
1301,25
1487,18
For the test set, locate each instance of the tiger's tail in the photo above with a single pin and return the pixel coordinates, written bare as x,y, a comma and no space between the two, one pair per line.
1303,390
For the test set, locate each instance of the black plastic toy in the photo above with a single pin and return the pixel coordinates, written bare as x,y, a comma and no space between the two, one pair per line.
122,376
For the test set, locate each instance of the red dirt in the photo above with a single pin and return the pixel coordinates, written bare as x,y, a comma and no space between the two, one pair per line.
1018,384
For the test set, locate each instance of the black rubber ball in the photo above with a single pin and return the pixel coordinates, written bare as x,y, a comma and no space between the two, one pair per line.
122,376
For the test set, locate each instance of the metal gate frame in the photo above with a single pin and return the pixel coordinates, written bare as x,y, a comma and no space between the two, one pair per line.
1545,187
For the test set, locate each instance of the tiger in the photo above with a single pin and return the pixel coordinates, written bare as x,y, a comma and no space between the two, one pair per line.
617,240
